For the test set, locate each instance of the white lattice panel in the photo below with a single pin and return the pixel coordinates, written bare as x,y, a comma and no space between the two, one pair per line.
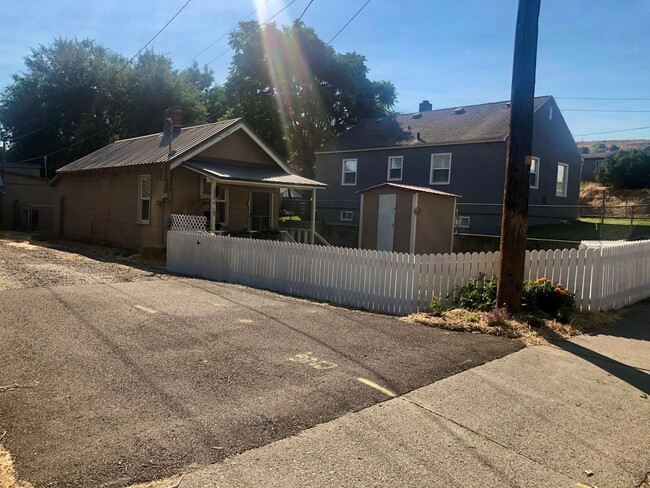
188,222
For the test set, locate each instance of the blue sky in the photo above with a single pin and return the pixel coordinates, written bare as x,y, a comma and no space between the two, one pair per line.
451,52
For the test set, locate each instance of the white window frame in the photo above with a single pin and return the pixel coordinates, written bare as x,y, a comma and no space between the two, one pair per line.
431,182
205,185
346,215
401,167
459,222
565,183
226,206
534,162
343,172
141,178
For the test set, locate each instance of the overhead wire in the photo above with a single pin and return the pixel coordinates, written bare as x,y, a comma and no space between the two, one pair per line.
348,22
611,131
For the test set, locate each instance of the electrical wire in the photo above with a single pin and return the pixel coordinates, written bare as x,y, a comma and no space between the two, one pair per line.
303,12
611,131
602,98
599,110
348,22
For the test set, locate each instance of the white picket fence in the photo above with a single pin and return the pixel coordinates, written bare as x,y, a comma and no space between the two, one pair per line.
397,283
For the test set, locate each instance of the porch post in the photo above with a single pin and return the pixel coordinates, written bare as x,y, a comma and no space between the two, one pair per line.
313,215
213,204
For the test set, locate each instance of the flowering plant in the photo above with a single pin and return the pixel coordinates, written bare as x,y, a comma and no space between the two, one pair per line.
495,317
542,295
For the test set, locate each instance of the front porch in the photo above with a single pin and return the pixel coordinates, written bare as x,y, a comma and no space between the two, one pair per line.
246,200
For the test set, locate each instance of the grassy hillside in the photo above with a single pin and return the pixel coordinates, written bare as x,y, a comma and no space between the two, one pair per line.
623,144
592,193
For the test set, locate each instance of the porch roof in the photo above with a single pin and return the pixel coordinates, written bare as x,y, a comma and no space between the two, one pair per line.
226,170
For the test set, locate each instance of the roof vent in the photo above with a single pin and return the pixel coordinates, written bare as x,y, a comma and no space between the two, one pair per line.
459,110
508,104
417,116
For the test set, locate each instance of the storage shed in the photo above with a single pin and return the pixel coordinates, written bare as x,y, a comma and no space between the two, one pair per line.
405,218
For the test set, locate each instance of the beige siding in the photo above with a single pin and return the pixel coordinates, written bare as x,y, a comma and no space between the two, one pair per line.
239,147
103,206
403,206
25,190
434,228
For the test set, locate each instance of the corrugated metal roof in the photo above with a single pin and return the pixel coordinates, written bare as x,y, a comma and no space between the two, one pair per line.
475,123
236,171
418,189
149,149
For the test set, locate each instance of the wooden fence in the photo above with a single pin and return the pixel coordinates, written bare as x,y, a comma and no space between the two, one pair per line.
396,283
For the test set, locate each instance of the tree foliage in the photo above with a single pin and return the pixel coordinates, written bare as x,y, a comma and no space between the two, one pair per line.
583,150
625,169
77,96
296,91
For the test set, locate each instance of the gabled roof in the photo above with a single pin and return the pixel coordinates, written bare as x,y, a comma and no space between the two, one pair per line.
486,122
153,148
411,188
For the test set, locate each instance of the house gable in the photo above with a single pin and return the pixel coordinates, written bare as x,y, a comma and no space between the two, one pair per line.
238,146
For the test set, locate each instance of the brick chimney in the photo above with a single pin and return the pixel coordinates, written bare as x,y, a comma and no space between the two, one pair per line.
176,116
425,106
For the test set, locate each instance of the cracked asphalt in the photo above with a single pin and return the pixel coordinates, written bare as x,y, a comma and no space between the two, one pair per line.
130,381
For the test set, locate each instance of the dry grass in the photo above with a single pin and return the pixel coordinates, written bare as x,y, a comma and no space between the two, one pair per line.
7,472
592,194
530,330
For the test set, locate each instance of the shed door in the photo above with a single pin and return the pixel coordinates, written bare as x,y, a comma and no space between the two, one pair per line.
386,222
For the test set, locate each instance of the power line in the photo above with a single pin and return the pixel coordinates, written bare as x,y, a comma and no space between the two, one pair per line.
611,131
303,12
598,110
153,38
118,71
348,22
603,98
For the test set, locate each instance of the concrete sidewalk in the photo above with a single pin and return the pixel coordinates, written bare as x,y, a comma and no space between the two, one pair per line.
541,417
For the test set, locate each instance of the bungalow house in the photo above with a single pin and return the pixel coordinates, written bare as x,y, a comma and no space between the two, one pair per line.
459,150
25,197
125,193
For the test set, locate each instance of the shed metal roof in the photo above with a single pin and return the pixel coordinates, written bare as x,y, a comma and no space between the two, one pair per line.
415,189
474,123
153,148
235,171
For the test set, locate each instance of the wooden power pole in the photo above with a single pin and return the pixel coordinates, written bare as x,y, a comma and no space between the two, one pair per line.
514,222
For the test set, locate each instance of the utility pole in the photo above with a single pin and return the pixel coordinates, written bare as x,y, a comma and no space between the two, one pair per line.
515,196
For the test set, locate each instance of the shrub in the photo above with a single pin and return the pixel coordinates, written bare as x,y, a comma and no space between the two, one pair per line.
543,295
496,317
479,294
625,169
436,307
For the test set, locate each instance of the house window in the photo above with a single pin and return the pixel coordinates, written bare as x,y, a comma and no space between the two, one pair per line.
395,165
462,222
206,187
440,169
562,179
222,206
349,177
144,199
346,215
533,173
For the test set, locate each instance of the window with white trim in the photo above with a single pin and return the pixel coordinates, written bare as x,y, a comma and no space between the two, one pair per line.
346,215
349,172
561,180
222,206
440,169
462,222
533,173
144,199
395,166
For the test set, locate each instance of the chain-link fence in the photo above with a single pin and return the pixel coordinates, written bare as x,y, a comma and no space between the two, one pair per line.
560,223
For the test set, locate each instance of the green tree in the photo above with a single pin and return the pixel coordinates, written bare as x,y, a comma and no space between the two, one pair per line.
296,91
599,147
625,169
613,148
77,96
583,150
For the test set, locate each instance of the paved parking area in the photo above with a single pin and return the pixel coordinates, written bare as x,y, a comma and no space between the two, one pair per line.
123,382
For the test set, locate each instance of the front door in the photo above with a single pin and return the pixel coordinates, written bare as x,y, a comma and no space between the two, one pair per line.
260,210
386,222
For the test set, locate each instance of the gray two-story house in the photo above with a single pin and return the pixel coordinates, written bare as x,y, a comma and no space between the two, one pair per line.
459,150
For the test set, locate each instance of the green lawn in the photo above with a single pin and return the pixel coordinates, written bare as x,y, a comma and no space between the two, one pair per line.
589,229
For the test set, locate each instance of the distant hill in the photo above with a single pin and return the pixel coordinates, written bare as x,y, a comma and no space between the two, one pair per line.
623,144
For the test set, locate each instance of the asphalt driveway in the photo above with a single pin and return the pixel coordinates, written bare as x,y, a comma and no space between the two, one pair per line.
123,382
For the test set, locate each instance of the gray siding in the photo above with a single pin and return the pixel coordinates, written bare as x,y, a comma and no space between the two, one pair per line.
477,170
